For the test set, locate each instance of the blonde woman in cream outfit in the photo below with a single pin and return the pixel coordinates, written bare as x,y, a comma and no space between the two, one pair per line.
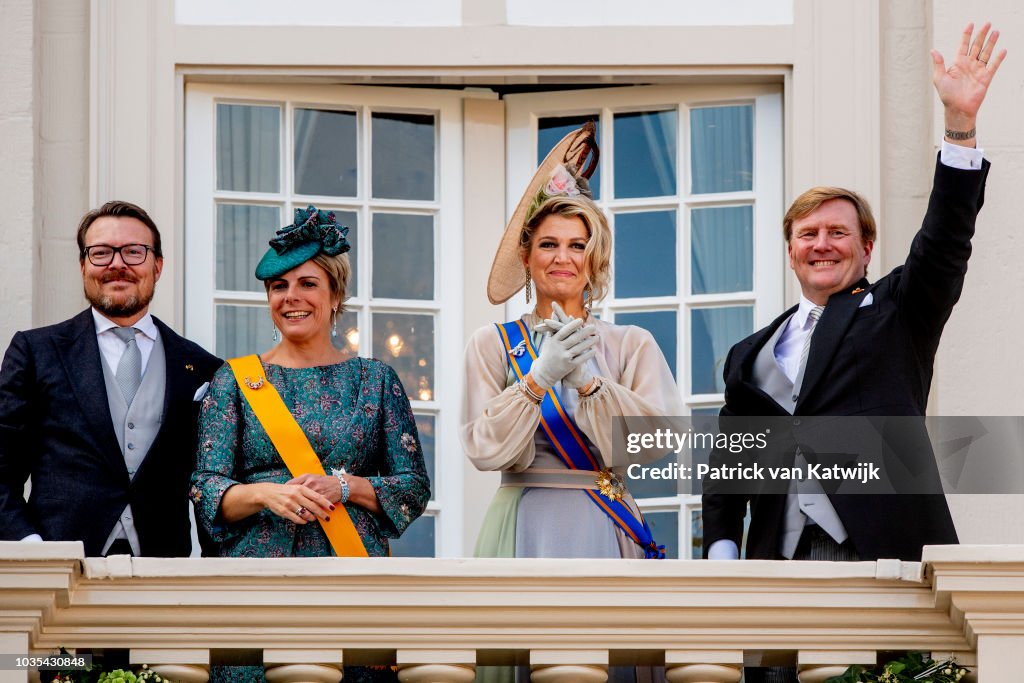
558,243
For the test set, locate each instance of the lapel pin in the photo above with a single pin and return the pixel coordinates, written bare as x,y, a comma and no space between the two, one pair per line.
857,291
188,366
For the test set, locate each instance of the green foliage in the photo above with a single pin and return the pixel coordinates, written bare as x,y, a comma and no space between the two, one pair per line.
914,667
96,673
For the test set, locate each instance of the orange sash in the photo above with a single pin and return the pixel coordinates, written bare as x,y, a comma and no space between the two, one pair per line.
293,447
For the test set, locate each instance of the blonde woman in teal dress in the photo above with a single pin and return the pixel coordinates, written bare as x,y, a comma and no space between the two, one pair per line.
558,243
354,413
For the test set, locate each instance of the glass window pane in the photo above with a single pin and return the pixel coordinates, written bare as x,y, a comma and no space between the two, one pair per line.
665,527
248,148
325,153
696,534
243,233
645,254
426,427
654,488
417,541
551,129
722,149
242,330
661,324
704,420
406,342
722,243
350,219
403,156
645,154
348,334
713,331
403,262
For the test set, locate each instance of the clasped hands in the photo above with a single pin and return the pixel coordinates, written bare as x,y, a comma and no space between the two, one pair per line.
567,348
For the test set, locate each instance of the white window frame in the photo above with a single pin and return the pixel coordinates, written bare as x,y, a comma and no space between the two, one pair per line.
766,196
201,197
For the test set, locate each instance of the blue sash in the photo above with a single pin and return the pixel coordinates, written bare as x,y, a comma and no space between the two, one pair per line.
570,446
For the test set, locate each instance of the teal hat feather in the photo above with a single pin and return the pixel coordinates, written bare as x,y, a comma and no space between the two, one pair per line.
313,232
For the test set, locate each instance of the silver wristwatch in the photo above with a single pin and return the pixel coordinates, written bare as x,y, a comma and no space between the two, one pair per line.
340,474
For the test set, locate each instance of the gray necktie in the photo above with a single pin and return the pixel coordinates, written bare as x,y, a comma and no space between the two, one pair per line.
129,368
814,315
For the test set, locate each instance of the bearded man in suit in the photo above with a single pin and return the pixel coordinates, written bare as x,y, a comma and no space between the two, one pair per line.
100,410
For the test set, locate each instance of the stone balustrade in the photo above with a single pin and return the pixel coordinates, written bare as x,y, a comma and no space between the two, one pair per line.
569,620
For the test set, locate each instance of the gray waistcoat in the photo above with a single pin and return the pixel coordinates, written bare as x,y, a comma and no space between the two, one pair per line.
136,426
806,499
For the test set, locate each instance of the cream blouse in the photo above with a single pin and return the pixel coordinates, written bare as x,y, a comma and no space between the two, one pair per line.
499,422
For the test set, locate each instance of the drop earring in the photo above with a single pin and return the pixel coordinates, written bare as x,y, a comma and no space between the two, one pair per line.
588,299
334,324
276,336
528,293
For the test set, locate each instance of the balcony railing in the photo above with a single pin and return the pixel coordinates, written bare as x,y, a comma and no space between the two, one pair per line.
437,620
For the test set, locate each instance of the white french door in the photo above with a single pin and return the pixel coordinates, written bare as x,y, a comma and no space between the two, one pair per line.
691,179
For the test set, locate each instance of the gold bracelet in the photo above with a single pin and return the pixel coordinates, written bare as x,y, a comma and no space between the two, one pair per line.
595,385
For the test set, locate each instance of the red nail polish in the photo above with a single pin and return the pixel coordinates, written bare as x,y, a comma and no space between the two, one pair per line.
327,519
332,506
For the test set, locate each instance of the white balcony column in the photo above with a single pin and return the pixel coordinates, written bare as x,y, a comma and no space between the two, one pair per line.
183,666
999,657
302,666
703,666
14,644
436,666
569,666
816,666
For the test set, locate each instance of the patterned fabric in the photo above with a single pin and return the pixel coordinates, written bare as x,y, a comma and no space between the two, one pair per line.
356,415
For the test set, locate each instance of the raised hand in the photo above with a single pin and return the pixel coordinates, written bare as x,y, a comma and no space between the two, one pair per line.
962,85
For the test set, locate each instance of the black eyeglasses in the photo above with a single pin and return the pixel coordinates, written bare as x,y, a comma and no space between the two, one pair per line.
131,254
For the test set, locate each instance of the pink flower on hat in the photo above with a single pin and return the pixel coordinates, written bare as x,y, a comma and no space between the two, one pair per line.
562,183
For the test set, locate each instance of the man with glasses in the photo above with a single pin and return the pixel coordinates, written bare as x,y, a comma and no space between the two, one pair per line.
100,410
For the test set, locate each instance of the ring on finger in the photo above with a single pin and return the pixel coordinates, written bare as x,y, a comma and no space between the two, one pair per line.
301,511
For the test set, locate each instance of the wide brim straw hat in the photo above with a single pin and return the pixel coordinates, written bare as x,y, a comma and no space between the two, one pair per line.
508,275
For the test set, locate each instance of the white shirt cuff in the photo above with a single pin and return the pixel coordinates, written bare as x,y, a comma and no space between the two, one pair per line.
723,549
32,538
963,158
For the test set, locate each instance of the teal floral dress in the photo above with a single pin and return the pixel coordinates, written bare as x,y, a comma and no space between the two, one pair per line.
356,415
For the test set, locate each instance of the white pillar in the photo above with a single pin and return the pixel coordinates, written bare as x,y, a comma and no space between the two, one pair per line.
14,644
999,658
703,666
436,666
182,665
303,666
568,666
816,666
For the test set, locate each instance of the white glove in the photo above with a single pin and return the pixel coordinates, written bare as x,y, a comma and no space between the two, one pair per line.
579,376
556,355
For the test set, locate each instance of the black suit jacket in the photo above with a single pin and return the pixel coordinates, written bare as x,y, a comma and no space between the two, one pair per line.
55,426
875,360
